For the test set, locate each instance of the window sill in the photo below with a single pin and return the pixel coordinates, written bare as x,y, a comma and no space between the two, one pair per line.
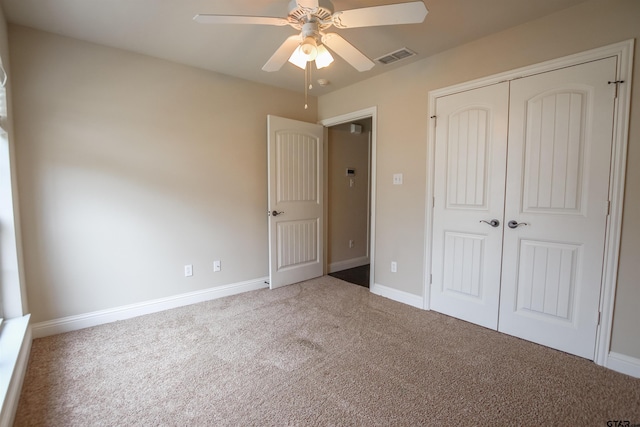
15,345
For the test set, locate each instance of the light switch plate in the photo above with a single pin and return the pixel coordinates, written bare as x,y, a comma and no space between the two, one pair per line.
397,179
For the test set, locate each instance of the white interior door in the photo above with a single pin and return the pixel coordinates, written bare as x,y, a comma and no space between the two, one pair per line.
295,196
470,161
560,138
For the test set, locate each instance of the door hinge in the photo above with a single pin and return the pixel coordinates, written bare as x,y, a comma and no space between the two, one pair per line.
435,120
431,279
617,83
599,317
608,207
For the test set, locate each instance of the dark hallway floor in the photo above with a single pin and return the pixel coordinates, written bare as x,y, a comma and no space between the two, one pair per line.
357,275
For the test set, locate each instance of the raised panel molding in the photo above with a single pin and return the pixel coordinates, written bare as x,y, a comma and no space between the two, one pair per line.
297,167
467,144
555,145
546,279
297,243
463,255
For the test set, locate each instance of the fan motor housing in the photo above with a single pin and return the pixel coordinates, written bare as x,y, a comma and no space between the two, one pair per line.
301,16
310,29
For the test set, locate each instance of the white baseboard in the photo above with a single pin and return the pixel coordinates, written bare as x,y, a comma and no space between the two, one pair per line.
350,263
73,323
625,364
16,346
396,295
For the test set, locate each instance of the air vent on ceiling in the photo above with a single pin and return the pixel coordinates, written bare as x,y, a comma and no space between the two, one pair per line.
395,56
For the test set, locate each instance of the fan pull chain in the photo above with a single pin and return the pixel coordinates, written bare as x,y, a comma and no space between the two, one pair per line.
307,84
306,67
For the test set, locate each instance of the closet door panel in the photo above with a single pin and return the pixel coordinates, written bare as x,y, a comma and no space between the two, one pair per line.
560,137
470,164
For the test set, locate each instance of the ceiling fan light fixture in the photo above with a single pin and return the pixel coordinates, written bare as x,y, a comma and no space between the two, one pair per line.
298,58
324,58
309,47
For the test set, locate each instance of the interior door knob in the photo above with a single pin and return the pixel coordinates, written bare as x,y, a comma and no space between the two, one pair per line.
515,224
493,222
276,213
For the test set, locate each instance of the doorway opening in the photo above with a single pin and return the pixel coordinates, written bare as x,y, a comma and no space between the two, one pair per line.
349,178
350,201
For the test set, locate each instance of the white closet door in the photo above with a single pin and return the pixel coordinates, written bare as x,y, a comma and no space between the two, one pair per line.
470,158
560,137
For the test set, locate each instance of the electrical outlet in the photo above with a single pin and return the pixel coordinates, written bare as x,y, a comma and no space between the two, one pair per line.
216,266
188,270
351,243
397,179
394,267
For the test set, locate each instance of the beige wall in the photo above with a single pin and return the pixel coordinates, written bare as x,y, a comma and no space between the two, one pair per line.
401,98
131,167
348,205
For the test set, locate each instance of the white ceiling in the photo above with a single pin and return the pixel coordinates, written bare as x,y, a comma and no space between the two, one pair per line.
165,29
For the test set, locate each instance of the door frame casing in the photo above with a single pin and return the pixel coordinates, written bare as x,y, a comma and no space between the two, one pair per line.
623,51
372,113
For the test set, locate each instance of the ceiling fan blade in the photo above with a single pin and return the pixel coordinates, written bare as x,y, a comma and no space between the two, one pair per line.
204,18
347,51
392,14
280,56
308,4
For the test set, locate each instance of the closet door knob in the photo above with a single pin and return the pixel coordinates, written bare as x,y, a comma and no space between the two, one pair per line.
515,224
493,222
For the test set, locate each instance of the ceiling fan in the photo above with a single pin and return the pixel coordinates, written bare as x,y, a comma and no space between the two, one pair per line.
312,18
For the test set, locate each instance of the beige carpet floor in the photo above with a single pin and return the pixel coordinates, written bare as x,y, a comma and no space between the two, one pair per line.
324,352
